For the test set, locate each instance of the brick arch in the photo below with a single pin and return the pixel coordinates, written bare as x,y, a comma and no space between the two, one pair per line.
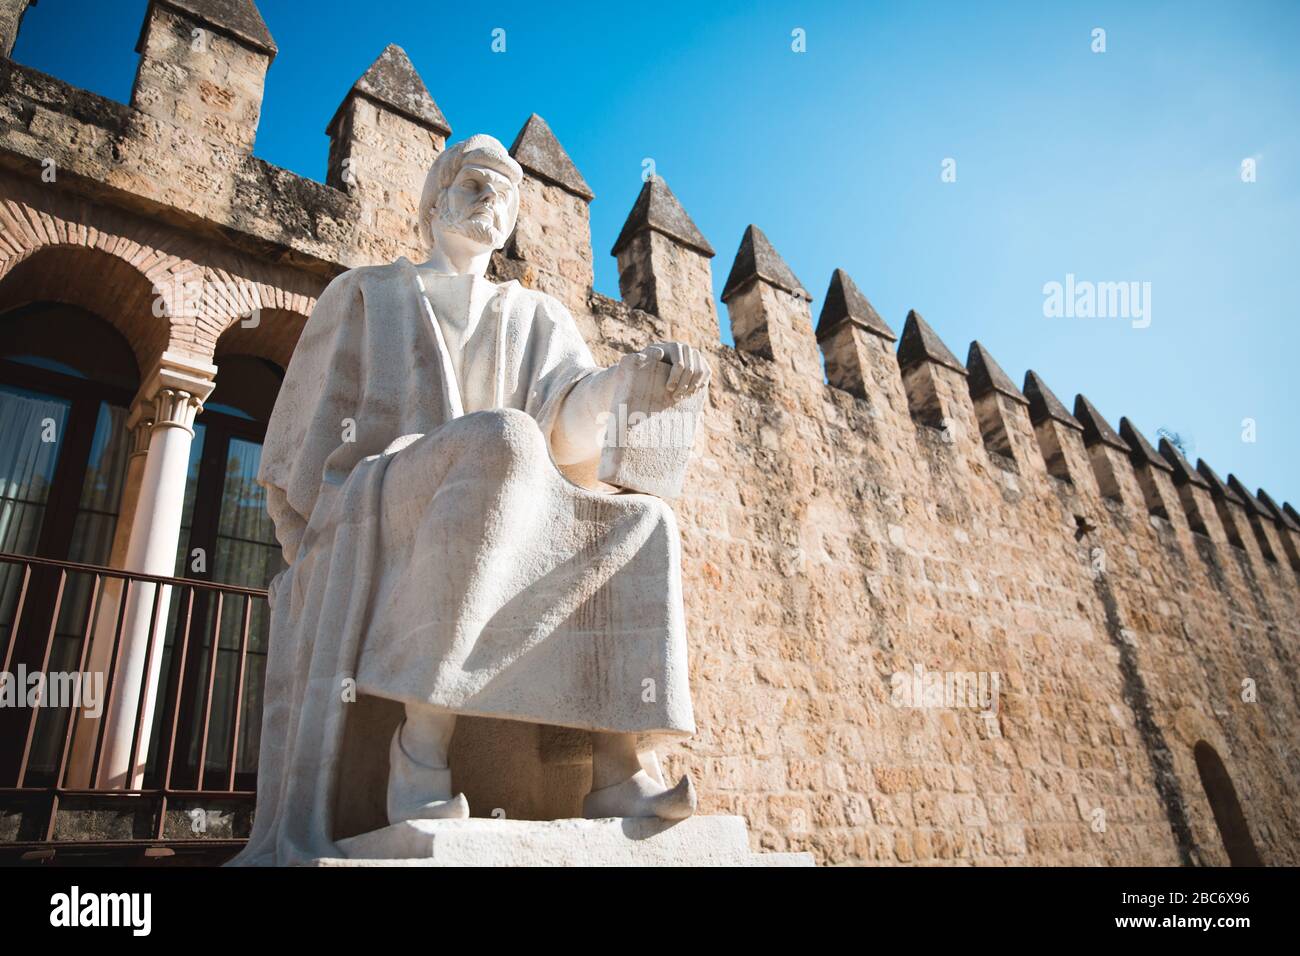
107,284
215,303
273,337
231,294
196,290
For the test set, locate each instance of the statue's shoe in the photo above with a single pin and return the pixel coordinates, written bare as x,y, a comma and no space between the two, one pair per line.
417,792
640,796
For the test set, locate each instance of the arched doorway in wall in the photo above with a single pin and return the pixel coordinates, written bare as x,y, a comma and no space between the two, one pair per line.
226,537
67,378
1222,795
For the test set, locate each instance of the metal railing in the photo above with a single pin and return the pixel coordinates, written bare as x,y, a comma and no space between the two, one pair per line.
204,641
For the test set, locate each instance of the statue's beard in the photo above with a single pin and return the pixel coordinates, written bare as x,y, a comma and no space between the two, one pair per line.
475,226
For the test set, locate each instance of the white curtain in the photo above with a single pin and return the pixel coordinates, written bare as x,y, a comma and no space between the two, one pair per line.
249,555
27,463
101,493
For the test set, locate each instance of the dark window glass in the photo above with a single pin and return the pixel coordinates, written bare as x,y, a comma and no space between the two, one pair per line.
69,341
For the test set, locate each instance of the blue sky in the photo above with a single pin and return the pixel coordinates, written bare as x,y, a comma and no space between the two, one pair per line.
1115,166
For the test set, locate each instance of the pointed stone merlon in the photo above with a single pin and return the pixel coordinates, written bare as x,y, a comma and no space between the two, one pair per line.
1059,434
1288,528
1246,499
768,307
934,381
1152,471
202,67
1106,450
1259,518
392,89
1219,489
1193,489
663,266
551,247
1284,515
11,19
384,136
1227,503
1000,408
857,345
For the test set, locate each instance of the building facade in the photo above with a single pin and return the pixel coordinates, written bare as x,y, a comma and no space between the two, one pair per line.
934,617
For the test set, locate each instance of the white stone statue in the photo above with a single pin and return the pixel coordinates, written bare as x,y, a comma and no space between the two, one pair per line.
437,555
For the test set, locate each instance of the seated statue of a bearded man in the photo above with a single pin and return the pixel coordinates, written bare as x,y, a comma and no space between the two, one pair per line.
438,556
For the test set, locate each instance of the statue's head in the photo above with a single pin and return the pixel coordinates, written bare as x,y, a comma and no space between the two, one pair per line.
471,193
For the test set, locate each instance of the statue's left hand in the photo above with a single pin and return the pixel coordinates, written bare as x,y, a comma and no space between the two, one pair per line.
579,432
690,369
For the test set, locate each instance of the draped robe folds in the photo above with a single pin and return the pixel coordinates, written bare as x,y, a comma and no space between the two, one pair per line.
436,554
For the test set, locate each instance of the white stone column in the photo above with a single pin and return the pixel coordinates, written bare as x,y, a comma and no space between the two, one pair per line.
176,390
139,426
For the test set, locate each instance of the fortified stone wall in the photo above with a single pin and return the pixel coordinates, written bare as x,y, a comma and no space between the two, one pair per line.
844,536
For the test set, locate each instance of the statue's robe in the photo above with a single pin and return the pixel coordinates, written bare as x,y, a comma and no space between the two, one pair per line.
437,555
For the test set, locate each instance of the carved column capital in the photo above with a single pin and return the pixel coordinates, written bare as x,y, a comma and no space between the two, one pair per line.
139,426
172,395
175,407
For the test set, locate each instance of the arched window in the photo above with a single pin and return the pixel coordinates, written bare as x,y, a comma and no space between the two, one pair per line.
1227,810
225,519
67,378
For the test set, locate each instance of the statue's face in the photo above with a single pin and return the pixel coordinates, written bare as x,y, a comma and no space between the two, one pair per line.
480,205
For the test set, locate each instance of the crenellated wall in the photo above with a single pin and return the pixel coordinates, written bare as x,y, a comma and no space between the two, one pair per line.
902,512
922,513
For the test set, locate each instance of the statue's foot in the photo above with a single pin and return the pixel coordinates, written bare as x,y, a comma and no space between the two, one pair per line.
640,796
417,792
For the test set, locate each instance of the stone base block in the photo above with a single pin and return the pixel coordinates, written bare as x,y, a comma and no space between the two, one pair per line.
614,841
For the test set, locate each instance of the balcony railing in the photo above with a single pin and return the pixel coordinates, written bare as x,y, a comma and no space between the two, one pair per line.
194,762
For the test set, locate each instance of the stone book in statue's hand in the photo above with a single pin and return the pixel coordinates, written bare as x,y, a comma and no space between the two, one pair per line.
649,432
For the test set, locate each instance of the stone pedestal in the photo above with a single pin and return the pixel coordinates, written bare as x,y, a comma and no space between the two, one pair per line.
697,841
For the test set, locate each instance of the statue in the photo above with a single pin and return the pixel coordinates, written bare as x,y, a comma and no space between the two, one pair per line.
437,555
